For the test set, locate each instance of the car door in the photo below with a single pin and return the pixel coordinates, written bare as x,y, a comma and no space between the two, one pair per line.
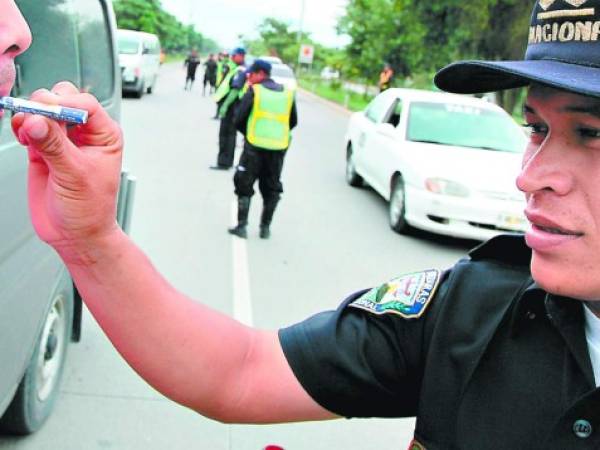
379,143
72,40
29,269
372,115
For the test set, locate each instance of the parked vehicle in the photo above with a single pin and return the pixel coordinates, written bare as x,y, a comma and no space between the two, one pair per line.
40,308
283,74
271,59
139,58
330,74
445,163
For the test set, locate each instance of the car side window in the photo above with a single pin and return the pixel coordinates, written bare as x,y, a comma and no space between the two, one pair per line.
96,49
378,108
395,113
52,57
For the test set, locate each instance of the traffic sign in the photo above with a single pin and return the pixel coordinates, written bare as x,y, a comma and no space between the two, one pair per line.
307,53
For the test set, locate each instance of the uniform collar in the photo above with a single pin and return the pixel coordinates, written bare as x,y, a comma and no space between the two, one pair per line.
564,314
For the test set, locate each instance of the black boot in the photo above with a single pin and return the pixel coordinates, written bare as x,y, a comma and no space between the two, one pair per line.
267,217
243,210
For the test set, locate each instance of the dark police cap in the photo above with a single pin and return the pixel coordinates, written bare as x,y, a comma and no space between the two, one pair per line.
260,65
238,51
563,52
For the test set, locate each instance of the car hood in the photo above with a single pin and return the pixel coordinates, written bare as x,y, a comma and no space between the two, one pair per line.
477,169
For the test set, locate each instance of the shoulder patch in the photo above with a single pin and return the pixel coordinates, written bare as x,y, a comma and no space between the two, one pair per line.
406,296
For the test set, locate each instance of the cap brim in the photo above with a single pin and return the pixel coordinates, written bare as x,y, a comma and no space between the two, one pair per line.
473,77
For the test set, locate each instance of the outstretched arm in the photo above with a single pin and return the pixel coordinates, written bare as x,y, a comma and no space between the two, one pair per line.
192,354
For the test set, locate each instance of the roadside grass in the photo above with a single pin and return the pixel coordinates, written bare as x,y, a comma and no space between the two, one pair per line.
333,91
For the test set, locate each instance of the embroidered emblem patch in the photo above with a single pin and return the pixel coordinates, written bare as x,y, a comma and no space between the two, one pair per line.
416,445
406,296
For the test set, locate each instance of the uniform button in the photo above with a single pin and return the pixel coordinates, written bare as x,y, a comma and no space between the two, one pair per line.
531,315
582,429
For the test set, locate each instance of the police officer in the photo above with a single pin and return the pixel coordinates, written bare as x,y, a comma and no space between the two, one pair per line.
223,66
500,351
227,96
266,115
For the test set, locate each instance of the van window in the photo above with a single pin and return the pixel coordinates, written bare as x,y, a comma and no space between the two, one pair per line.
96,50
152,47
128,45
52,57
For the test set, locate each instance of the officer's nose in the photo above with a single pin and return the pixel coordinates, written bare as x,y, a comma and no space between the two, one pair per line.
15,36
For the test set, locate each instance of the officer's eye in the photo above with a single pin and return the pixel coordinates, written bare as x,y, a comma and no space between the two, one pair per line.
590,133
536,129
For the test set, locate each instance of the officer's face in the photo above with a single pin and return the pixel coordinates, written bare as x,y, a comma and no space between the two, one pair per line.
561,180
14,39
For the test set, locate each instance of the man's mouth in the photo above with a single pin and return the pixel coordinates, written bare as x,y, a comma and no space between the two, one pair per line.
555,230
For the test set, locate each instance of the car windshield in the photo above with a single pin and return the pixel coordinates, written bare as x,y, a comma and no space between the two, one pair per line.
282,71
128,45
464,126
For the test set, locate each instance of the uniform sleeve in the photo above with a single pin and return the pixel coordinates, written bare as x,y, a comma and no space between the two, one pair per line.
239,80
356,363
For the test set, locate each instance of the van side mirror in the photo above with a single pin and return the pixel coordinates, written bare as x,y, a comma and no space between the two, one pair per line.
145,51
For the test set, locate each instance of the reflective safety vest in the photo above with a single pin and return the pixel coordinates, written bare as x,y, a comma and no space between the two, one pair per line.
225,86
220,67
269,121
244,90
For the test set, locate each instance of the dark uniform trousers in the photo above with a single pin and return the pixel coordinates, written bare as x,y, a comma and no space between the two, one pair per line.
494,363
264,165
227,139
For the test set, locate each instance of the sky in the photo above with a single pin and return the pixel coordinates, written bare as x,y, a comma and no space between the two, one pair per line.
225,20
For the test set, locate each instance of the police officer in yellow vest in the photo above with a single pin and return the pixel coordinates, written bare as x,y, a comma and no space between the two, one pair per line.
227,97
266,115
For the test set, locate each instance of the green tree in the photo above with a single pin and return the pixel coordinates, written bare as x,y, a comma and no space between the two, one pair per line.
149,16
419,36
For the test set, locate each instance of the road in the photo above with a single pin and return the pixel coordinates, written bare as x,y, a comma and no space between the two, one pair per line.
328,241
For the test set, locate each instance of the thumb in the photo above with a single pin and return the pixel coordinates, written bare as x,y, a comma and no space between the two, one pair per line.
47,138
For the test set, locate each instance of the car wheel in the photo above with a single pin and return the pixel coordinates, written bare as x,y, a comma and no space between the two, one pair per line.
140,92
39,387
352,178
397,207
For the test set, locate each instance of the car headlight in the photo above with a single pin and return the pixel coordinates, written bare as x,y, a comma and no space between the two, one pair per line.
446,187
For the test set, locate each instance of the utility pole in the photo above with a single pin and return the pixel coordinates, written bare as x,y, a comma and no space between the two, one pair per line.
301,26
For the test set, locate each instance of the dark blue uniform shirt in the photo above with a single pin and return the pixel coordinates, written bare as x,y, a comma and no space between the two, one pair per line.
493,363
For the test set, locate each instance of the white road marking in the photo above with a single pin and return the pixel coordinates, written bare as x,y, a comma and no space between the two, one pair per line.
242,301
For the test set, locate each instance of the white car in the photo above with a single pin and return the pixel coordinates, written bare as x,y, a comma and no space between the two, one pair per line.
283,74
330,74
271,59
445,163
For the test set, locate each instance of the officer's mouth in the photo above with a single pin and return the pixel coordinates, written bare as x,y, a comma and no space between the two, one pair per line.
545,234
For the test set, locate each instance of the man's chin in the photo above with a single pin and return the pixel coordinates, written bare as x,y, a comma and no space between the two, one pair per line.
561,279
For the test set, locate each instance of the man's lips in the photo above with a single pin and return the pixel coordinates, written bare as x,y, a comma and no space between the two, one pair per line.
545,234
547,225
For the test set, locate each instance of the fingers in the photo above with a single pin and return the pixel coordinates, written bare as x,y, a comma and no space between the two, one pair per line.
46,138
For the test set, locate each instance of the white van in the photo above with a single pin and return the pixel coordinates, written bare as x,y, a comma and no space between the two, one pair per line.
139,58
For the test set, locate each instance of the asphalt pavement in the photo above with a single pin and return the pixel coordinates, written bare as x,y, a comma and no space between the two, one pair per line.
328,240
